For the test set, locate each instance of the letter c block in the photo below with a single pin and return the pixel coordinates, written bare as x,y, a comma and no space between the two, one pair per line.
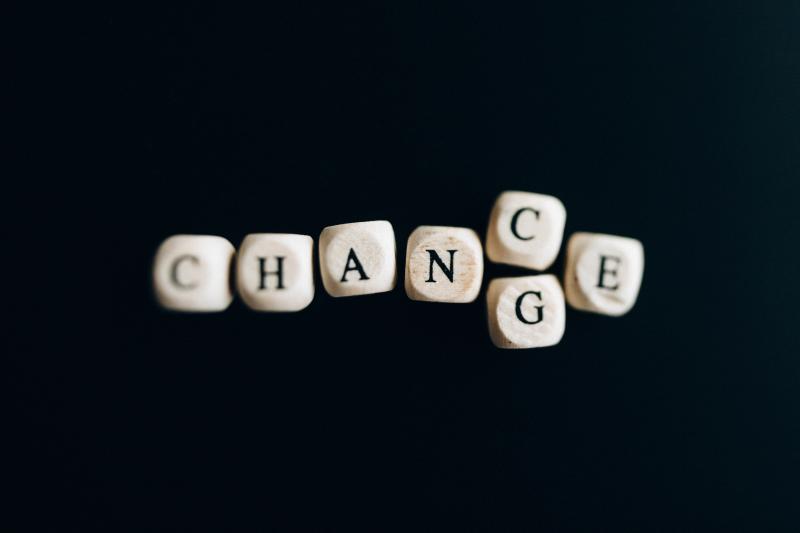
192,273
525,229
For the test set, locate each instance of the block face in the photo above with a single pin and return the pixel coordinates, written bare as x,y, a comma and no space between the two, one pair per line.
444,264
275,271
358,258
525,229
603,273
526,312
192,273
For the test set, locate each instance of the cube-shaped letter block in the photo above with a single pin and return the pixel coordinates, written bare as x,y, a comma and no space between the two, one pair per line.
603,273
526,312
525,229
275,271
192,273
443,264
358,258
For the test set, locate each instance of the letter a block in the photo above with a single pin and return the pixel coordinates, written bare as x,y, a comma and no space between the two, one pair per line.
358,258
443,264
275,271
526,312
192,273
525,229
603,273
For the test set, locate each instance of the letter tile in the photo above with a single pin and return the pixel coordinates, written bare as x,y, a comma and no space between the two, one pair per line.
275,271
525,229
192,273
444,264
358,258
526,312
603,273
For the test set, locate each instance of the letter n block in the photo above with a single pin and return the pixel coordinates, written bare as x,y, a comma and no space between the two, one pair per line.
275,271
603,273
526,312
192,273
443,264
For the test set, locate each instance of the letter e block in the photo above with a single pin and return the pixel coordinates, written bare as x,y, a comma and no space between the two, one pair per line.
525,229
275,271
358,258
443,264
526,312
192,273
603,273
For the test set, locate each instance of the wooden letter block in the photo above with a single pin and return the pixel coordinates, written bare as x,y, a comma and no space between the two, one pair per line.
275,271
192,273
358,258
443,264
525,229
526,312
603,273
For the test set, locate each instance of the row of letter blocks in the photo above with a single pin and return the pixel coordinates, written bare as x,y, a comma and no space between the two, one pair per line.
274,271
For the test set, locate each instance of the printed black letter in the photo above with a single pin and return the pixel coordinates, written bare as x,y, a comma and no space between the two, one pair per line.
515,218
447,271
356,266
603,272
262,263
539,308
175,265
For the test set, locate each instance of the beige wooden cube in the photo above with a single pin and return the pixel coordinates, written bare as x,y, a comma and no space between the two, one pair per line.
525,229
603,273
443,264
275,271
192,273
358,258
526,312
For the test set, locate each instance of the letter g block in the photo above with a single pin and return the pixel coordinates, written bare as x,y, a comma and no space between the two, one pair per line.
526,312
192,273
603,273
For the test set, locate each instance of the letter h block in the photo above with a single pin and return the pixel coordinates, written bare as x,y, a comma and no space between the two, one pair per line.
275,271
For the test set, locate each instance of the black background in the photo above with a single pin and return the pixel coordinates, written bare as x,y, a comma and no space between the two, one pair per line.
676,124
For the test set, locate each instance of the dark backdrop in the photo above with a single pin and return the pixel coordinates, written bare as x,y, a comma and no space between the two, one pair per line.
674,123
